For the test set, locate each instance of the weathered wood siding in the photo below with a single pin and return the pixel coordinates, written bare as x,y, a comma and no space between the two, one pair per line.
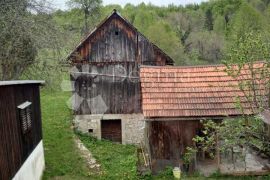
111,130
115,48
267,130
15,147
168,141
120,95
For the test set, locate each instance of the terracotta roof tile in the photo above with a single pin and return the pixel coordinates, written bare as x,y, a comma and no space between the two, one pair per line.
199,91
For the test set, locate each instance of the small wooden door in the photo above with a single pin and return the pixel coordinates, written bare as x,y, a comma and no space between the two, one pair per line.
168,141
111,130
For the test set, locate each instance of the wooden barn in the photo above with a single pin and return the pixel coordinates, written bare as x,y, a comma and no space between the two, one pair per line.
175,99
127,90
107,95
21,150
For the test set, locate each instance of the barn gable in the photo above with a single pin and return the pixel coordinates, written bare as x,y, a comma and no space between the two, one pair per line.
113,52
115,39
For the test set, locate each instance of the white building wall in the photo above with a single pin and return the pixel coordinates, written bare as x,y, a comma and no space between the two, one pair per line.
33,167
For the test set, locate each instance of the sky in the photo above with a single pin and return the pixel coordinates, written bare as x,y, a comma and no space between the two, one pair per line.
61,4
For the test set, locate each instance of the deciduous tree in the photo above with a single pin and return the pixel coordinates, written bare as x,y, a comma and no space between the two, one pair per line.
162,35
25,27
90,8
209,45
248,49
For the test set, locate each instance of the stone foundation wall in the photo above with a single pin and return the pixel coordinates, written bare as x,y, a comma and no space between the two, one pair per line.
132,126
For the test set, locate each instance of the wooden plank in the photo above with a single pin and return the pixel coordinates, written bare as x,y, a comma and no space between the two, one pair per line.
4,166
168,141
111,130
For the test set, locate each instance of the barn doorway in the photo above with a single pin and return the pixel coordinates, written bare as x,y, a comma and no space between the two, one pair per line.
168,141
111,130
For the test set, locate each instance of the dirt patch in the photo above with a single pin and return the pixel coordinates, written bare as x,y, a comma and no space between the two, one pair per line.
92,163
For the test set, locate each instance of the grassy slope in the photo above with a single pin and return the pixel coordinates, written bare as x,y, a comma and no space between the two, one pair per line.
62,159
117,161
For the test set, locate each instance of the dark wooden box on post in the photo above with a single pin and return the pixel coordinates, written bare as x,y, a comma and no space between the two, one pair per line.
21,149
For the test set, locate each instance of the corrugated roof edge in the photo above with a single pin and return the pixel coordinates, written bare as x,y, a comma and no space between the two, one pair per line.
21,82
187,67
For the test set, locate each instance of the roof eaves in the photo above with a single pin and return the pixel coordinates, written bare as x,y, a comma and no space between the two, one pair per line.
184,67
92,32
193,66
21,82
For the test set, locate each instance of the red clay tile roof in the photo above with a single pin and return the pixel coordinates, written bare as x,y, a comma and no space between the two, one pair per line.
199,91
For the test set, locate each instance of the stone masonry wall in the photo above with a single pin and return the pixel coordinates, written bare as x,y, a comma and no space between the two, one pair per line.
132,126
133,129
83,123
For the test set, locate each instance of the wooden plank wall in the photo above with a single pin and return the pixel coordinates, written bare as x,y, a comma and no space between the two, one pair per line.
15,147
115,48
111,130
120,95
168,141
267,130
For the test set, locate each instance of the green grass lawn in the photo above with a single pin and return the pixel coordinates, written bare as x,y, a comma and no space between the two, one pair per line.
61,157
117,161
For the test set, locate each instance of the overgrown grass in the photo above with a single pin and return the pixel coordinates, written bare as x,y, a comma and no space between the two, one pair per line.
117,161
63,160
61,157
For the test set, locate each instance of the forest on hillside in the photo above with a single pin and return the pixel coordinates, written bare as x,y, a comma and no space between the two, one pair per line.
191,35
36,38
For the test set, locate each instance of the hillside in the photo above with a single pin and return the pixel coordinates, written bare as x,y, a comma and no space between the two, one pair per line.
191,35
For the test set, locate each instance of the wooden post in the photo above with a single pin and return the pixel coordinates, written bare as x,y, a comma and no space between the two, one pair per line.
217,151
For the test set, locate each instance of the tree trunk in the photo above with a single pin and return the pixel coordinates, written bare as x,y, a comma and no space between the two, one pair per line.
4,72
86,22
233,158
217,152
